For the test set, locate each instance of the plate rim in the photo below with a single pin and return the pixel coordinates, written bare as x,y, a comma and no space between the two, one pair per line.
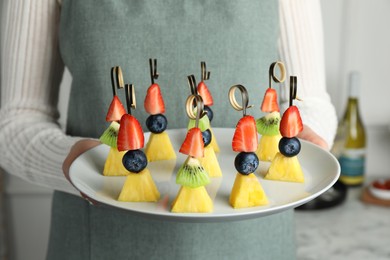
203,217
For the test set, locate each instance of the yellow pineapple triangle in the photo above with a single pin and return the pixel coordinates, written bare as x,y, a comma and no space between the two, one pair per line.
210,162
192,200
113,165
268,147
284,168
214,143
247,192
139,187
159,147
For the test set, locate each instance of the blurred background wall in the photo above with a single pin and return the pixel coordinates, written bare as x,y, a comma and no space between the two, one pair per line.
357,37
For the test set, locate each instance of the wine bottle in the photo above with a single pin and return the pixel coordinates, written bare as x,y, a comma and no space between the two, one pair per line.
350,141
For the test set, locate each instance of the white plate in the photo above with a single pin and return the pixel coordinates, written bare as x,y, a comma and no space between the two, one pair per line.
320,168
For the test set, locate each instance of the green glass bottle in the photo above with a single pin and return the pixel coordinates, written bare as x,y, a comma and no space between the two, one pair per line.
350,142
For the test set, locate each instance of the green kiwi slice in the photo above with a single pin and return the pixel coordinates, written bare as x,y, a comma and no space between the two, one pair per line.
204,123
268,124
192,174
110,135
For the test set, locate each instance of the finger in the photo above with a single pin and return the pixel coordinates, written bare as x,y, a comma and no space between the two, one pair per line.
309,135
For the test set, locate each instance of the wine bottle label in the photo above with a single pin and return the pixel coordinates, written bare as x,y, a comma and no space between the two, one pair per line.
352,162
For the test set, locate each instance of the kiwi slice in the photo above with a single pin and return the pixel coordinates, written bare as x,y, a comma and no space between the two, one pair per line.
192,174
268,124
110,135
204,123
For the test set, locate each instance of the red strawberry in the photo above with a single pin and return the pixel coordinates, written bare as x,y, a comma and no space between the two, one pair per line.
193,143
130,135
382,184
116,110
245,137
270,101
205,94
154,102
291,123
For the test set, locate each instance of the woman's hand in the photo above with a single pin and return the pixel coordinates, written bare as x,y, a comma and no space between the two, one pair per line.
77,149
309,135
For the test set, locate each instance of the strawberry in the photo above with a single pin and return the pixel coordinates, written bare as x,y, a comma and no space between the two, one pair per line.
270,101
382,184
245,137
116,110
154,103
130,135
291,123
205,94
193,143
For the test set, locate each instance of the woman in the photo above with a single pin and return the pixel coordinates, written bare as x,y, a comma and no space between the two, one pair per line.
238,39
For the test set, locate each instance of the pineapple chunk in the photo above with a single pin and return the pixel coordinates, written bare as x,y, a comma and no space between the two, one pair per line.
285,168
113,165
192,200
214,143
247,192
210,162
268,147
159,147
139,187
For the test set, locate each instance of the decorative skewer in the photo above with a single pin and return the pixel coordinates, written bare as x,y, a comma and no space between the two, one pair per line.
268,125
113,165
205,75
191,100
285,165
293,89
209,161
153,70
116,79
246,191
272,74
159,146
192,84
208,101
244,99
192,196
139,185
130,97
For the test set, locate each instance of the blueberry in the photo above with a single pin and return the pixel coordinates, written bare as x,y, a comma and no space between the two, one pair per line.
209,112
206,135
156,123
246,163
134,160
289,147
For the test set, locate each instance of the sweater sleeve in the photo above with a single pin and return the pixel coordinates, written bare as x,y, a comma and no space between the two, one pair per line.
301,48
32,144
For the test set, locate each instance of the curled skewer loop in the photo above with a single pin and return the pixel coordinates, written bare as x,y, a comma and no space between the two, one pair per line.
244,98
272,73
205,74
130,97
192,84
153,70
293,89
116,79
191,100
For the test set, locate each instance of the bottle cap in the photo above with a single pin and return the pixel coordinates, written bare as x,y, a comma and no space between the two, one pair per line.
354,84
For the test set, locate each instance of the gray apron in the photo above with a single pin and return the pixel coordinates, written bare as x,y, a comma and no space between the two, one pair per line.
238,41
